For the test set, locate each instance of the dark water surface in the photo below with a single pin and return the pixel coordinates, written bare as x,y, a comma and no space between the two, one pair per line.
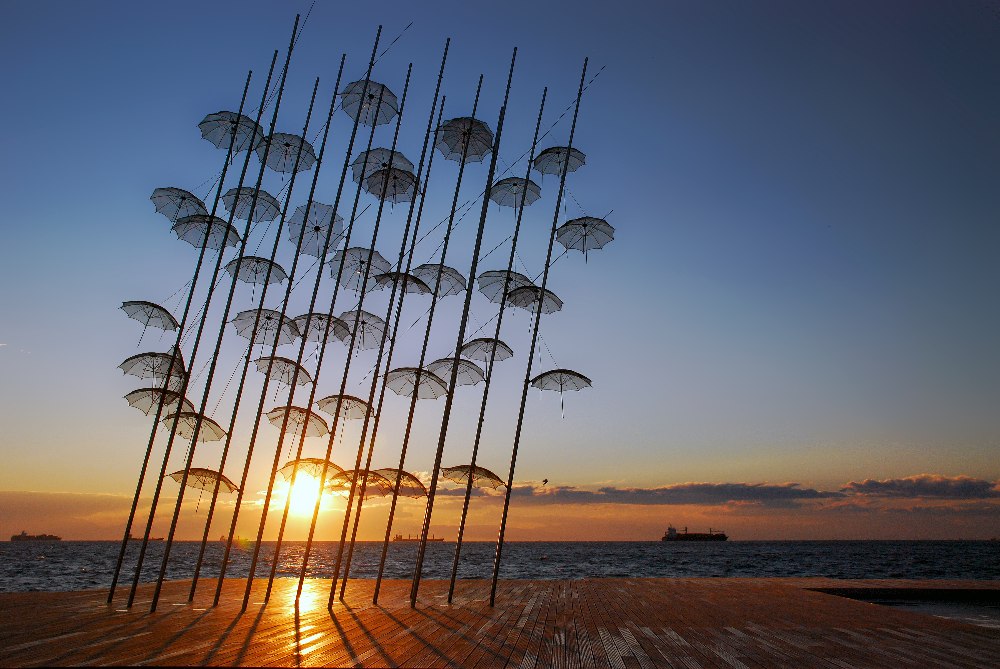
79,565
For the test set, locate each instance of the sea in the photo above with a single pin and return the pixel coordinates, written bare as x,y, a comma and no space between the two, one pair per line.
81,565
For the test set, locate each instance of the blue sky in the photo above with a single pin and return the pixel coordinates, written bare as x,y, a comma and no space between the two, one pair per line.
802,288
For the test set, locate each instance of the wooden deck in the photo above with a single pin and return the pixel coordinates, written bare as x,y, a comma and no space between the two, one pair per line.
683,623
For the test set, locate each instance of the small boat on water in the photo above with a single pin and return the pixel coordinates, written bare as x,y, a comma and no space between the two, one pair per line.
400,537
24,536
673,535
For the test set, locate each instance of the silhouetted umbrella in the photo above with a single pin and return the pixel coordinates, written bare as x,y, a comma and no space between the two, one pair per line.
351,407
369,328
315,230
188,420
561,380
283,370
255,270
428,385
271,327
512,191
376,485
409,485
409,283
469,373
481,477
192,229
456,133
299,421
239,200
491,283
149,313
285,149
482,347
176,203
204,479
397,185
585,233
162,368
355,261
218,129
311,466
526,297
550,161
147,399
452,281
359,102
321,327
369,162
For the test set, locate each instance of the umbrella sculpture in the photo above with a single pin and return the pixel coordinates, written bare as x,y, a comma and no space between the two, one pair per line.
251,269
515,192
149,313
321,327
177,203
585,233
271,326
286,151
369,162
482,347
481,477
360,98
355,260
162,368
492,283
283,370
300,421
147,400
188,420
409,282
404,380
376,485
218,129
239,200
314,229
369,328
526,297
311,466
193,230
392,184
203,479
351,407
409,485
469,373
550,161
464,135
452,281
561,380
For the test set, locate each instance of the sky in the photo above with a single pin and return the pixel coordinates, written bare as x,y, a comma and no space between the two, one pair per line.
792,336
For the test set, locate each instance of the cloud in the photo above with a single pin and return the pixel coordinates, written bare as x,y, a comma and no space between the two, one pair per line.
934,486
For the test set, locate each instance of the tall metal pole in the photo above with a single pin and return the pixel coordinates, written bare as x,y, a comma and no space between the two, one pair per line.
246,362
214,359
493,353
534,341
450,398
423,348
361,301
278,449
326,245
176,350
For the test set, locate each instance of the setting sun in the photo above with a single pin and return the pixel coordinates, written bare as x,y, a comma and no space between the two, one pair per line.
303,494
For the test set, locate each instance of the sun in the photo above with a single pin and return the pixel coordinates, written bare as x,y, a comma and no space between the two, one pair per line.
303,495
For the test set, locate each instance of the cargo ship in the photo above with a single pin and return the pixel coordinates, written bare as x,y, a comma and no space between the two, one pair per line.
673,535
24,536
400,537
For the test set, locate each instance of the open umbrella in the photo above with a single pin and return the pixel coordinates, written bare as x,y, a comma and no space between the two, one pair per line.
176,203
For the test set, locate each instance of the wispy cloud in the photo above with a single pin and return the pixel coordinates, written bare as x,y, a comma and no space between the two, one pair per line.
935,486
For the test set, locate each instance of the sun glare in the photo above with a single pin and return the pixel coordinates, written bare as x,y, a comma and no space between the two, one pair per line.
303,494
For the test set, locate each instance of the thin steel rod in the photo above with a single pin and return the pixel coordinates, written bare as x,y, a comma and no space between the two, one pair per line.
450,398
279,447
246,361
361,301
213,362
423,348
173,359
394,327
336,287
492,360
534,341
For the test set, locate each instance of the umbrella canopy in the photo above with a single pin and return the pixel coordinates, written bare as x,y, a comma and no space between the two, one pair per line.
314,228
299,421
193,230
561,380
493,283
551,160
311,466
239,200
162,368
376,485
464,135
452,281
409,485
356,261
369,162
370,102
176,203
584,234
481,477
187,421
256,270
351,407
370,328
469,373
218,129
409,283
321,327
515,192
283,370
391,184
147,400
149,313
404,380
481,349
271,327
526,297
287,150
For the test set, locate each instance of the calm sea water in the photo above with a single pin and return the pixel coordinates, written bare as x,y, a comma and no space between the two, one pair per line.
79,565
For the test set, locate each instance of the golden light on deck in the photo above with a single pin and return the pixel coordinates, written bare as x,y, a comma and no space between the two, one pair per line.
303,494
